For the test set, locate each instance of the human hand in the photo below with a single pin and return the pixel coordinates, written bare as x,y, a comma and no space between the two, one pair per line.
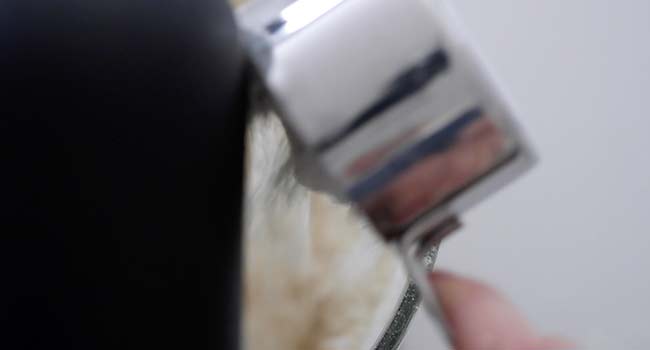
481,319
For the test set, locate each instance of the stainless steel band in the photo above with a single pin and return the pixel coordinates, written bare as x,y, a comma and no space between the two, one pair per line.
409,304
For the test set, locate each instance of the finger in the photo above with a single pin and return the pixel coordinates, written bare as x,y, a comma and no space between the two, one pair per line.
482,319
553,343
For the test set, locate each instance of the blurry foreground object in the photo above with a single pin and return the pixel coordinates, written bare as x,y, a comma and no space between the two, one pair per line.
387,106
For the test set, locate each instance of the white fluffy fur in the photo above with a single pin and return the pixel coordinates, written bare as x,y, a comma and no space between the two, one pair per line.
315,276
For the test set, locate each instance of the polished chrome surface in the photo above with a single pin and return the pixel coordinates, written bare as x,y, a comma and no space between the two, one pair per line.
390,107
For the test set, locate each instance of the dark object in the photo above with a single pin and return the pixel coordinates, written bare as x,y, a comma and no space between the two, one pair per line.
275,25
121,143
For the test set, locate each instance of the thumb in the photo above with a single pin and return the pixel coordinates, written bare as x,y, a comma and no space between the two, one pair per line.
482,319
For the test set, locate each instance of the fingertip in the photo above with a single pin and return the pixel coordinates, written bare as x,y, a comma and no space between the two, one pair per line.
479,317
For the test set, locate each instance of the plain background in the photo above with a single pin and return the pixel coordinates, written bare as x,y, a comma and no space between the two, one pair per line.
569,243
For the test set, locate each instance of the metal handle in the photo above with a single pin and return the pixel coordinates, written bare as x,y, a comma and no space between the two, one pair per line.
390,107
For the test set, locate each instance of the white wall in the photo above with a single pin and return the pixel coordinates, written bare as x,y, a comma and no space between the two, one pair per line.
570,243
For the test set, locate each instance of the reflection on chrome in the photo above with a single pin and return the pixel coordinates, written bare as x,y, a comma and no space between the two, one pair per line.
408,83
428,173
300,14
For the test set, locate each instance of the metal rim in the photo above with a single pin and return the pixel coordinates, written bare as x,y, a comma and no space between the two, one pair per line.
395,331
